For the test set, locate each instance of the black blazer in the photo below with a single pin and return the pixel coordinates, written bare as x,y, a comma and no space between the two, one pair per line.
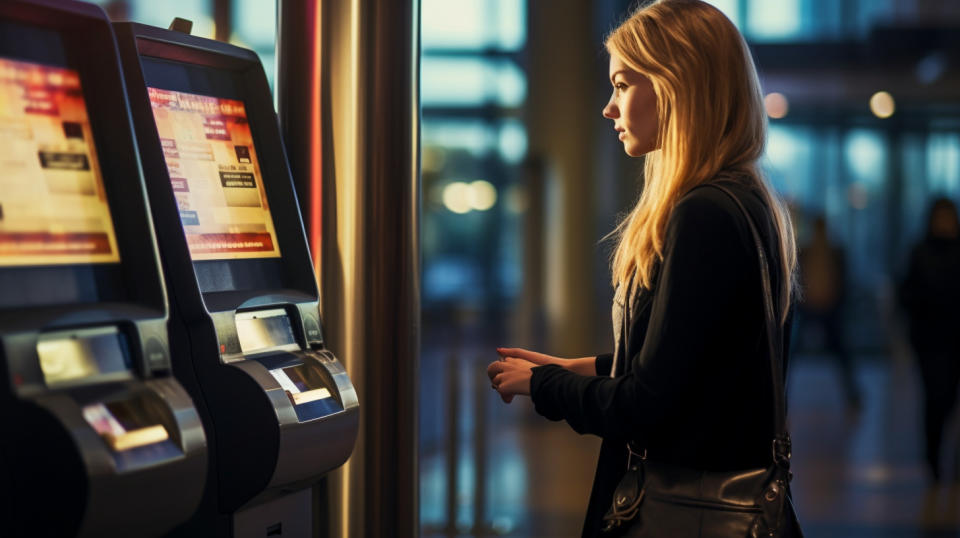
695,388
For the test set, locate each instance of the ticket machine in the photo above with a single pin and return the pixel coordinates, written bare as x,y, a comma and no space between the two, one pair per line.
98,437
245,326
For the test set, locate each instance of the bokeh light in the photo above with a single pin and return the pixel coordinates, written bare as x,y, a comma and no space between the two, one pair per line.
461,197
483,195
882,105
457,197
776,104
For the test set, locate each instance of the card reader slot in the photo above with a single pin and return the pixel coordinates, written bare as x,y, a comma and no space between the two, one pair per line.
312,378
137,438
81,356
308,385
300,398
265,330
136,420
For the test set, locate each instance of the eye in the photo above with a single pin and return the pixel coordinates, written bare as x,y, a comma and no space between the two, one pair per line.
620,86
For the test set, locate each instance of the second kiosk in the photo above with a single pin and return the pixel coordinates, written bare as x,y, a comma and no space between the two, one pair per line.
245,331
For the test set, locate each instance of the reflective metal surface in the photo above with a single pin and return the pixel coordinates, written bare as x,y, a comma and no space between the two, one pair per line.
349,107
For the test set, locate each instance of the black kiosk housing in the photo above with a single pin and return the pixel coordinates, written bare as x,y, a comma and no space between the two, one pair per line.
245,330
99,438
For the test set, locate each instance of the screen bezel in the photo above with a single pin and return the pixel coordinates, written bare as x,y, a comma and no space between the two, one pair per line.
233,73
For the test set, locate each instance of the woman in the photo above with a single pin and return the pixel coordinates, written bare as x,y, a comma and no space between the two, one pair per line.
930,295
689,380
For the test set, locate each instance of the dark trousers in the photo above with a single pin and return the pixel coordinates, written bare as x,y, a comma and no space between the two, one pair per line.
831,323
940,372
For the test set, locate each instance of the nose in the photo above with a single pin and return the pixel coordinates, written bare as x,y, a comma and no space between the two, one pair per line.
610,111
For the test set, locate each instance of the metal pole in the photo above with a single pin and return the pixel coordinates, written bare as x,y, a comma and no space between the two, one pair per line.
353,143
452,444
298,92
482,393
223,19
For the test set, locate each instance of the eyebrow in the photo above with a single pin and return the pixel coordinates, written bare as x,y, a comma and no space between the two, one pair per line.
615,73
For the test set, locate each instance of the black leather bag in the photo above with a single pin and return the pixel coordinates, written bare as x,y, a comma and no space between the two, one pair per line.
659,500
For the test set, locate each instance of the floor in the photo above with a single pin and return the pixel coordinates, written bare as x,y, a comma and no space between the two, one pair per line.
857,474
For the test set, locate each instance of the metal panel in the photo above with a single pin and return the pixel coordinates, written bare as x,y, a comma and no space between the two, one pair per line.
349,107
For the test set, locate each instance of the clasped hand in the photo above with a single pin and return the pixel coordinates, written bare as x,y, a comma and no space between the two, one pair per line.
511,374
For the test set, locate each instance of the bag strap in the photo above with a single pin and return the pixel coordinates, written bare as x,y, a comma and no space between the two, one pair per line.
781,440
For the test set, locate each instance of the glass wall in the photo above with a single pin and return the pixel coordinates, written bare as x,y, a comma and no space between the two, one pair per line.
771,21
473,90
873,184
254,26
250,24
162,13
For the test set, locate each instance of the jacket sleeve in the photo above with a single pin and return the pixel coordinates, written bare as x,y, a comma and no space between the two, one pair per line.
604,364
910,292
707,270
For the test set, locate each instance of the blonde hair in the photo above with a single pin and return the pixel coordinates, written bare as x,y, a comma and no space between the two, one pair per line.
711,123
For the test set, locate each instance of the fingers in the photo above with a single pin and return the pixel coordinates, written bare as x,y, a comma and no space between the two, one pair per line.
525,354
511,363
496,371
505,374
500,383
495,368
505,365
515,352
492,370
502,388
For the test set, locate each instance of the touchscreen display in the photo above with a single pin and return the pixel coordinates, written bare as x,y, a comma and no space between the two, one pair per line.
53,209
215,175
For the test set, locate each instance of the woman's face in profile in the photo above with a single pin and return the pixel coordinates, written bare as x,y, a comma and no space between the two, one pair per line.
633,109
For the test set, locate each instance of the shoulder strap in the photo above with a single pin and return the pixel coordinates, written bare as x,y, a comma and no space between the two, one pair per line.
781,441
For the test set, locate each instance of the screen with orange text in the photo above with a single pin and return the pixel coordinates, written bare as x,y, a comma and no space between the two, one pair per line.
215,176
53,208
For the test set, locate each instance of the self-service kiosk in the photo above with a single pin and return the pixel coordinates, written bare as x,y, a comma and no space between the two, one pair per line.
98,439
245,328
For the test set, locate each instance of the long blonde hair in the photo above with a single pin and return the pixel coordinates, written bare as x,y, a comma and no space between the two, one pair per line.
711,122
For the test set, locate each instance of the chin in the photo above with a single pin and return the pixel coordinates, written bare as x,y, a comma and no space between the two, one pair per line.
635,150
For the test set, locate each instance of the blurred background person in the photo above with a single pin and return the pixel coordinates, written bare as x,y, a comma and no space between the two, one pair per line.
931,297
823,273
